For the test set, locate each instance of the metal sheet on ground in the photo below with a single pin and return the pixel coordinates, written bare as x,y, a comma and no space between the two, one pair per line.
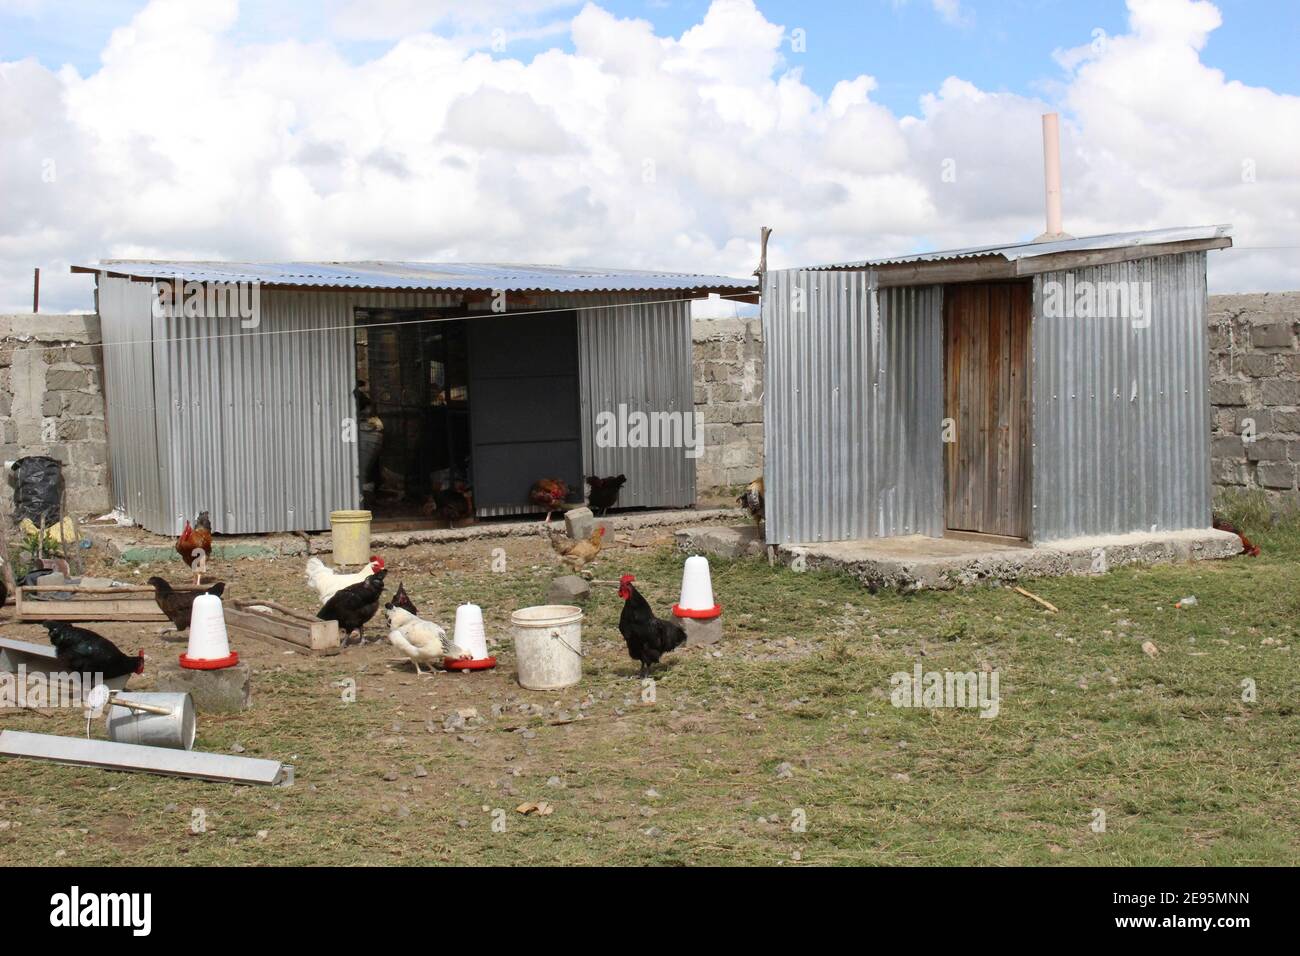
107,755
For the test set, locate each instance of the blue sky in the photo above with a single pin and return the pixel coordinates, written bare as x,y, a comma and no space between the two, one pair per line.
999,45
372,129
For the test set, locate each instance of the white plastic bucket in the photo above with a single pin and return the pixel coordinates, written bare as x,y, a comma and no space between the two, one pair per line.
175,730
548,646
350,533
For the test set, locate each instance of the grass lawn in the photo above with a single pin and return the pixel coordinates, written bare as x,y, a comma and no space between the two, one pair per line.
1185,771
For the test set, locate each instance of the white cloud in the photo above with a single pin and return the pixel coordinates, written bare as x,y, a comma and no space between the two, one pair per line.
951,12
393,19
635,149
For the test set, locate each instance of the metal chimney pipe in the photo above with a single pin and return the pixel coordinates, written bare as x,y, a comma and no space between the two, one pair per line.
1052,176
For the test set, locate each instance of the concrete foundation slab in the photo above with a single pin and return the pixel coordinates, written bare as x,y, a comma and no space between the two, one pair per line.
916,562
137,545
727,541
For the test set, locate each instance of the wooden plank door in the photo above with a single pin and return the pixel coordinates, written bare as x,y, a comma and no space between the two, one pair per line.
986,394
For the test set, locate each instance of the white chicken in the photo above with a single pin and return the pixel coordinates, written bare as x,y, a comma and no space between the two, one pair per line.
327,583
420,640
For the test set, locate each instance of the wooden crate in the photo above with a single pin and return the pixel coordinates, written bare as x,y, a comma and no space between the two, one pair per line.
283,627
133,603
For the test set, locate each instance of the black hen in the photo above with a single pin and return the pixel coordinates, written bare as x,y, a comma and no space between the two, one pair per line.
85,652
354,605
648,638
403,600
604,491
179,605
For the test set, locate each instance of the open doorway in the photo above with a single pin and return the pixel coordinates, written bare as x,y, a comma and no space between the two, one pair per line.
414,450
459,414
986,395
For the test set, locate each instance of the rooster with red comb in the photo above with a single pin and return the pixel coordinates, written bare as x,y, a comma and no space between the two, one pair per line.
648,638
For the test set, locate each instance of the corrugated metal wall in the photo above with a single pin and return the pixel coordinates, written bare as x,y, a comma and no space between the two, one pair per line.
639,357
247,424
140,487
1121,414
257,415
852,407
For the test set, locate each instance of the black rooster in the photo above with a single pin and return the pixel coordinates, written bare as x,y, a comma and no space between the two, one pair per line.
85,652
354,605
648,638
179,605
403,600
604,492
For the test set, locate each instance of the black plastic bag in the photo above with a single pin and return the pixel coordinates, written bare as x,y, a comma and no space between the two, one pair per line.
38,490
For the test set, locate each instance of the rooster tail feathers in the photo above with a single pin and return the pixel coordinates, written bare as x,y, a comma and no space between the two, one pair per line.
217,589
677,635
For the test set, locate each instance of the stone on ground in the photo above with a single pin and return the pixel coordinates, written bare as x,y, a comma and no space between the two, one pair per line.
569,589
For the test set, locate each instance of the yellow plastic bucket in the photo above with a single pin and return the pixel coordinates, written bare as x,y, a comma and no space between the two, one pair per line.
351,536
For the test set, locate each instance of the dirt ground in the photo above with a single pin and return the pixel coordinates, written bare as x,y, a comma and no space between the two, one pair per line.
777,746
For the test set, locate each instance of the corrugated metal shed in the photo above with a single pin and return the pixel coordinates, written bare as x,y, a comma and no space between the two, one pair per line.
1032,249
421,276
248,423
854,392
1121,411
852,401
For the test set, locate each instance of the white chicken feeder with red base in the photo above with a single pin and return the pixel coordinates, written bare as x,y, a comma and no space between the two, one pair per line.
470,636
696,611
209,647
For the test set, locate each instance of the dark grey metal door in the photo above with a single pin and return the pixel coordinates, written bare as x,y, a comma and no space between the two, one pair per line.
524,407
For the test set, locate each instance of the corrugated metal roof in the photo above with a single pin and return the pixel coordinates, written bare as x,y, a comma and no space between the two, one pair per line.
430,276
1026,250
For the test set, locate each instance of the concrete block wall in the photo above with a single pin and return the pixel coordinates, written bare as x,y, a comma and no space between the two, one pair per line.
51,403
729,397
1255,383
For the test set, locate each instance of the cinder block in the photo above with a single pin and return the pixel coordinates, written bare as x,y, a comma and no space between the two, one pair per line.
1284,421
83,403
226,691
1271,336
68,379
578,523
1276,474
1281,392
1266,449
1227,393
700,632
1227,446
1259,364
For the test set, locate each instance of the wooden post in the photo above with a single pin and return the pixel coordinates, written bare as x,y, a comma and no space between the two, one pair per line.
761,271
10,581
36,290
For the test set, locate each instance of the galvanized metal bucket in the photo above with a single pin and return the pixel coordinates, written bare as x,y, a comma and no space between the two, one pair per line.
174,729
